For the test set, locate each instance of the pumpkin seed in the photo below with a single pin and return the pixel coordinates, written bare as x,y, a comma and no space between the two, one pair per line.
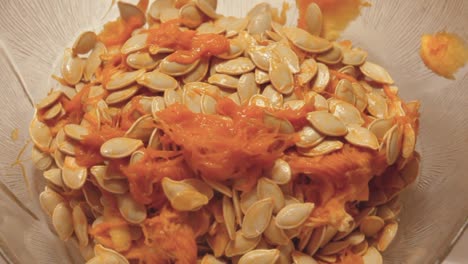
294,215
120,147
326,123
84,43
260,256
62,221
257,217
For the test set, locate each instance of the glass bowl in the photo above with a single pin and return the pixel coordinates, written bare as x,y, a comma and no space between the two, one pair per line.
33,35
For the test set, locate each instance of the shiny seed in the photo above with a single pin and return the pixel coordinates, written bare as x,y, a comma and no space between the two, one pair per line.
198,73
257,218
361,137
334,247
236,48
267,256
63,221
105,255
305,41
259,23
360,97
72,68
344,91
309,137
281,172
356,238
326,123
316,240
314,19
207,8
210,259
247,87
171,97
241,245
377,105
247,199
130,209
173,68
354,56
323,148
141,128
372,256
371,225
53,112
266,188
275,97
135,43
129,12
94,61
308,70
393,144
158,6
224,80
190,15
40,134
73,175
218,187
157,104
49,100
319,102
117,186
49,199
75,132
386,237
322,79
274,234
157,81
84,43
210,28
208,104
294,215
301,258
80,225
229,217
236,66
282,125
281,76
120,147
261,56
288,56
409,141
142,60
379,127
376,73
232,24
361,248
332,56
54,176
200,186
123,79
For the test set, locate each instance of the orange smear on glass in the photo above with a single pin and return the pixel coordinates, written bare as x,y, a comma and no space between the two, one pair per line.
337,14
188,45
444,53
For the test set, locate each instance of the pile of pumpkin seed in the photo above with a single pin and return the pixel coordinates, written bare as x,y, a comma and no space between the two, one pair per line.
268,224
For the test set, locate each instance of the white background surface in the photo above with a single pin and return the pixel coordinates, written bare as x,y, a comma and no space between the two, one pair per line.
459,254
